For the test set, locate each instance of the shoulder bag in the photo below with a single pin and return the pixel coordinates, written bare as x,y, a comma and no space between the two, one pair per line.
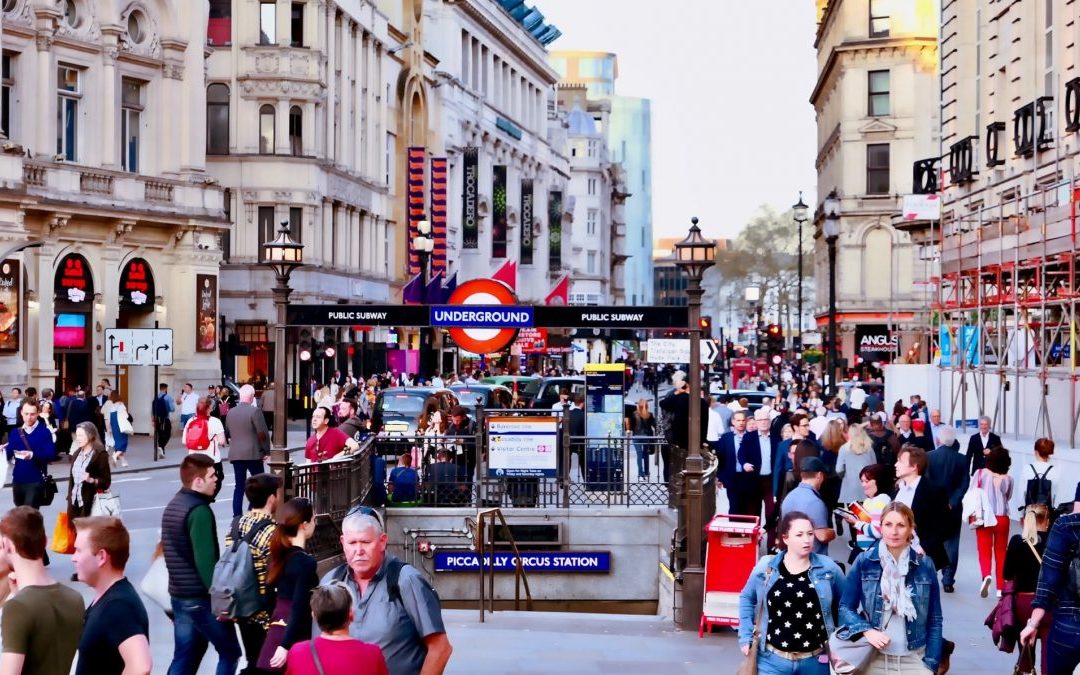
749,664
48,485
315,657
848,657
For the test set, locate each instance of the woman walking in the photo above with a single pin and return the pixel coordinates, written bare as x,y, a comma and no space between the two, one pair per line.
875,486
118,426
643,425
1023,560
1041,468
993,538
292,575
892,598
854,456
799,591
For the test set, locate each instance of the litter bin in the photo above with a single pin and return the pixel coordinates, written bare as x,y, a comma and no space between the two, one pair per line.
730,557
603,469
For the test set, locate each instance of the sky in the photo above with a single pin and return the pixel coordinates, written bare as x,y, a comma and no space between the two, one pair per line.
730,84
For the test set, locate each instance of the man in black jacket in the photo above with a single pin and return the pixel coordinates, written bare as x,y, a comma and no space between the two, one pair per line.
947,469
678,405
927,501
979,446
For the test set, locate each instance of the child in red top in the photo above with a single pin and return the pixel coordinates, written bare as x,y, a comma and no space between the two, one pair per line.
338,653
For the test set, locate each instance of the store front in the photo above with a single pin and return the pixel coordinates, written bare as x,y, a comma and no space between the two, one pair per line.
73,305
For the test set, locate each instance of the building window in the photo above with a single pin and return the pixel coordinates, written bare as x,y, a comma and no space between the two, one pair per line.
878,86
130,115
591,265
296,221
877,169
592,148
251,331
590,222
592,186
67,112
219,25
296,131
226,235
217,119
387,155
297,25
879,20
1048,41
71,13
266,129
268,22
7,84
266,229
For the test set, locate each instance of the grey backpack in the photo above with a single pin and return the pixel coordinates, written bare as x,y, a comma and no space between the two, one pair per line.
234,588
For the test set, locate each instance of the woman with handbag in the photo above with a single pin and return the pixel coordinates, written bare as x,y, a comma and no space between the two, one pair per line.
292,575
643,426
90,474
890,612
118,426
1023,560
993,537
788,608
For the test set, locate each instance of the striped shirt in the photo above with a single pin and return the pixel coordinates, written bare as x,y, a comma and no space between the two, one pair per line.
260,554
1062,548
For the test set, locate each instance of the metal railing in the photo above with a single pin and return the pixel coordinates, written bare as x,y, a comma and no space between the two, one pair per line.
485,546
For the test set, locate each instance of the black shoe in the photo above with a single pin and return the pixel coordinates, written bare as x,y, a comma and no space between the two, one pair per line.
949,588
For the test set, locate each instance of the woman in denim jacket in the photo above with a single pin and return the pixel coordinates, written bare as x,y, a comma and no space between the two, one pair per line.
801,593
897,590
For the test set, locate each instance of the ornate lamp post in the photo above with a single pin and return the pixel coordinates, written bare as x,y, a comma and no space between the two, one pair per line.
799,210
423,243
283,255
694,255
831,229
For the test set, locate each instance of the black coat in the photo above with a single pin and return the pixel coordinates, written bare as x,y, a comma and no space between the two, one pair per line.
976,459
947,469
679,407
929,503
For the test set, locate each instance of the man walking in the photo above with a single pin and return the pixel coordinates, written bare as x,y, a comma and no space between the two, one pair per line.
160,411
927,502
249,443
31,447
393,604
187,401
947,468
256,527
42,622
189,540
806,498
116,635
979,446
740,474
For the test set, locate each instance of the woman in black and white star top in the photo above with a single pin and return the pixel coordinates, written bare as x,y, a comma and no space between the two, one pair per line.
802,592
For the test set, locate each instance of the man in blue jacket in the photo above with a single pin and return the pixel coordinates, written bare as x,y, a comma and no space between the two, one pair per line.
31,447
948,469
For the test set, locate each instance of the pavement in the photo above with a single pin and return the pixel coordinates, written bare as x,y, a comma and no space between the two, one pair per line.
516,642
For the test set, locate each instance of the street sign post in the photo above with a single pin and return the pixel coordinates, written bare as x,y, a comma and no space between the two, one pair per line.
678,351
138,347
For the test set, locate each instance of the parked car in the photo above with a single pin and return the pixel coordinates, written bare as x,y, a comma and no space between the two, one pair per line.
397,410
490,396
754,398
544,392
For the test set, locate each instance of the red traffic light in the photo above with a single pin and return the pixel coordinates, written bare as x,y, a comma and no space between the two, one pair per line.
774,329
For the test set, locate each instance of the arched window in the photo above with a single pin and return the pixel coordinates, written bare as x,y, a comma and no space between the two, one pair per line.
296,131
878,264
266,130
217,119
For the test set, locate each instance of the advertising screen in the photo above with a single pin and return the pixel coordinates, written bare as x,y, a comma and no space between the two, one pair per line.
70,331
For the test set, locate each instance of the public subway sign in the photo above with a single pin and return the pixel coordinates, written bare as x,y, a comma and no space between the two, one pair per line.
564,562
508,316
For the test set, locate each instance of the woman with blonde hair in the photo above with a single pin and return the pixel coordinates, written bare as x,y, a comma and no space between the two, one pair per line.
642,426
855,455
1023,561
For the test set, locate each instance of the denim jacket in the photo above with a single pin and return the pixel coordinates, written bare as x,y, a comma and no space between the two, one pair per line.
826,576
863,589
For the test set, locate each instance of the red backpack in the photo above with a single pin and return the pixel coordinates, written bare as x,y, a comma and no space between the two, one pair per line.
197,435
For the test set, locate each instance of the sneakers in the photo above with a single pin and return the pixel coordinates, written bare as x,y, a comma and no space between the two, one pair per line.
998,595
161,453
984,588
123,460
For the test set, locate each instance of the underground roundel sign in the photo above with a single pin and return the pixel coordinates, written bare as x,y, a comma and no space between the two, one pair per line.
482,292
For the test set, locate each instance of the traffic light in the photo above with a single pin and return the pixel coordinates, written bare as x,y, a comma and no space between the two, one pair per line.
775,340
705,324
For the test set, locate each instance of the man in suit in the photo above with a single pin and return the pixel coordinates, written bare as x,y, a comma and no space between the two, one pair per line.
979,446
249,443
741,457
766,452
927,501
678,405
947,469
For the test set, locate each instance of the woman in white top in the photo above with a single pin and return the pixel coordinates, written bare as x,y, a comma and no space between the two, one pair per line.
993,538
206,435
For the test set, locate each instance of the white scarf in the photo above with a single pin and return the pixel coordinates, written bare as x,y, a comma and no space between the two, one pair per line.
895,593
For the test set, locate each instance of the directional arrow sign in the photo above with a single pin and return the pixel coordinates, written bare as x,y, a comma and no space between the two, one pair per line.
138,347
678,351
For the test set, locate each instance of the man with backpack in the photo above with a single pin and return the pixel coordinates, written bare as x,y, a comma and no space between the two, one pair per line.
393,604
254,530
190,544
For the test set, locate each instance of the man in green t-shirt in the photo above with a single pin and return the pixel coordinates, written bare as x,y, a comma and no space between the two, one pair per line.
43,621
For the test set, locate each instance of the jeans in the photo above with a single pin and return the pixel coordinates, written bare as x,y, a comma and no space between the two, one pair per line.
642,452
193,628
28,494
909,664
771,664
183,421
241,469
1063,656
952,549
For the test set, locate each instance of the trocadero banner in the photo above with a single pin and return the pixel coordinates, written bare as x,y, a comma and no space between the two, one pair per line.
470,229
526,221
554,230
498,211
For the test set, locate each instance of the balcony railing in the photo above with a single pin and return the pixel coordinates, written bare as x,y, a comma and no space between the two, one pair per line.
157,191
925,176
34,175
94,182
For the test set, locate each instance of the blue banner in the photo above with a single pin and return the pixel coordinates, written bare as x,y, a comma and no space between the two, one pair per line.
563,562
482,316
970,340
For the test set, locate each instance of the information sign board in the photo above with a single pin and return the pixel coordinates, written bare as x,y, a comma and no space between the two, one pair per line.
522,446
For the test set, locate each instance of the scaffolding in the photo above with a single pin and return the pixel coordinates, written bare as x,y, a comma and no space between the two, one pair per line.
1004,325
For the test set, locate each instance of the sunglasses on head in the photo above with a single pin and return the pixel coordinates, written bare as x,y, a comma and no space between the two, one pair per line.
362,510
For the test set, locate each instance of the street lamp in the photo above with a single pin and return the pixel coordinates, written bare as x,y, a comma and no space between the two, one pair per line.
694,255
799,210
283,255
423,243
831,229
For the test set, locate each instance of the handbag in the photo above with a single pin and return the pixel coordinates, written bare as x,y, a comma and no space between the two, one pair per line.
848,657
749,664
123,422
106,504
63,540
155,585
49,488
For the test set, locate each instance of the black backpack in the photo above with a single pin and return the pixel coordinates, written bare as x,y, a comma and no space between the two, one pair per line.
1038,490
